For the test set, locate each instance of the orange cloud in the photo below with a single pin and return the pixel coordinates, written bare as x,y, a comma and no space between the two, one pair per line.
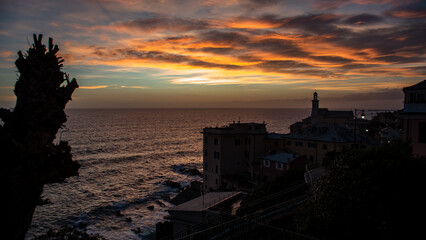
93,87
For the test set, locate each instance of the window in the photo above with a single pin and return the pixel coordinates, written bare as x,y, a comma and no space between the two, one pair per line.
279,165
216,141
217,181
247,141
247,154
216,155
422,132
205,177
266,163
420,98
217,169
325,147
299,144
288,143
237,141
312,145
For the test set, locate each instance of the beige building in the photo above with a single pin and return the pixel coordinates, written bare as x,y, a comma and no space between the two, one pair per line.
315,141
229,154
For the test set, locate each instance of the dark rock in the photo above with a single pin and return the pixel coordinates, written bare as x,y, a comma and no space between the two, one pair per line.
129,219
43,201
173,184
82,225
160,203
150,207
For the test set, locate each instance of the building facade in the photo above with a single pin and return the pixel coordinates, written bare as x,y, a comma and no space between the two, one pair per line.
315,141
414,117
229,154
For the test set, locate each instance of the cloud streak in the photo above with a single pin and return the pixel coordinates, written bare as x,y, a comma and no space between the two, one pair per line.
334,46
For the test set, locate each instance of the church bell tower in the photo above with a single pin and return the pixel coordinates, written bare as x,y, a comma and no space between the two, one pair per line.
315,106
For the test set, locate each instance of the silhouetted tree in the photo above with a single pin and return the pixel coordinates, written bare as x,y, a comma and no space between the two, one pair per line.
29,158
370,194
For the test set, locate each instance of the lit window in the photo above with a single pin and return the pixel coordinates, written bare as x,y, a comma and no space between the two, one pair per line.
279,165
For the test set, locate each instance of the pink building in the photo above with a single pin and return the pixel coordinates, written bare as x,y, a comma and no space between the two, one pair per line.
275,165
414,115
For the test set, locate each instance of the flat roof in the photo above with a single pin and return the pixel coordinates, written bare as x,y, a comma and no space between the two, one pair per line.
204,202
280,157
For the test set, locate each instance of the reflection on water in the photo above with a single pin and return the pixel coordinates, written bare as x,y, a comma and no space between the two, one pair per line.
126,155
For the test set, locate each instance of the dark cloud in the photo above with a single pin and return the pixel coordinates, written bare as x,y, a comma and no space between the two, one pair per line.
332,59
216,50
363,19
386,41
292,67
283,64
400,59
329,4
278,46
222,37
249,58
354,66
171,24
317,24
265,2
419,70
157,56
414,11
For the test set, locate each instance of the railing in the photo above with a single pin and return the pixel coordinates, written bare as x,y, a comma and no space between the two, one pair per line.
253,226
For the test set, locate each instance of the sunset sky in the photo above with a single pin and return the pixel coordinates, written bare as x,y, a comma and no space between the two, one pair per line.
233,53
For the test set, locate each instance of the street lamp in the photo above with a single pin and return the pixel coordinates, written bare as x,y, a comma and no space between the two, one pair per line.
356,112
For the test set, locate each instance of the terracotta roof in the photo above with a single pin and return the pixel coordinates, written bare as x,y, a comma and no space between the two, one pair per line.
280,157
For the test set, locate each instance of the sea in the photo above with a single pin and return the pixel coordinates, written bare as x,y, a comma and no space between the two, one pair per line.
126,156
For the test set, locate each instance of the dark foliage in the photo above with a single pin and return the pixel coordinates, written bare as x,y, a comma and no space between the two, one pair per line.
370,194
28,156
273,193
